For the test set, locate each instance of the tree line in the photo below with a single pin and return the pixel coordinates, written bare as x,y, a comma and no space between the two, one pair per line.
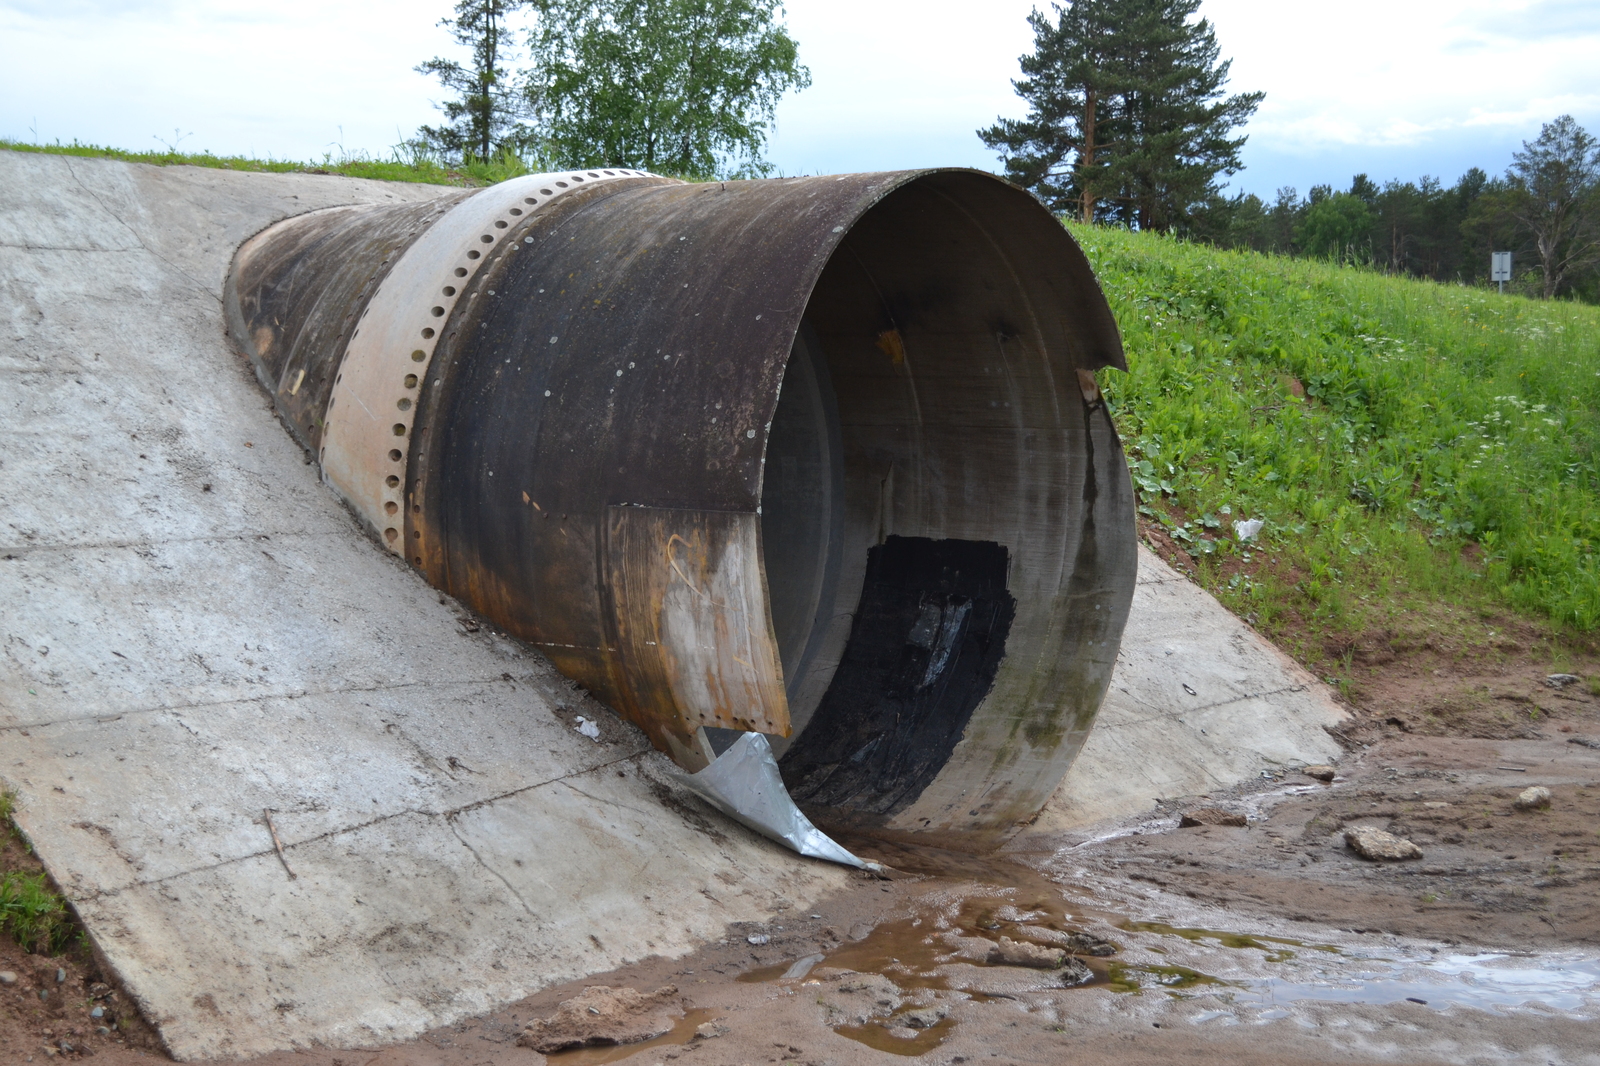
1545,210
1129,124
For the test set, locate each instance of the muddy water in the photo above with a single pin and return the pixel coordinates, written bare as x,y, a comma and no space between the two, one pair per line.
1260,942
883,1038
1248,974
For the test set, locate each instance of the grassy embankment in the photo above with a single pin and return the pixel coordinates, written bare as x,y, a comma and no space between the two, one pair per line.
1424,456
417,169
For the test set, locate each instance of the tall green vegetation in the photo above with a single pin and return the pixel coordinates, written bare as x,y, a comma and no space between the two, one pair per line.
1408,444
1127,121
1545,210
685,87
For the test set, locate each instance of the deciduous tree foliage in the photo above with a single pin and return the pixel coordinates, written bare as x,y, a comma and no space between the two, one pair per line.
685,87
1127,117
1556,198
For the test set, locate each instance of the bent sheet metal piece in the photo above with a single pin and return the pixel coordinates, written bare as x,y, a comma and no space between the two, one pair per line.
744,784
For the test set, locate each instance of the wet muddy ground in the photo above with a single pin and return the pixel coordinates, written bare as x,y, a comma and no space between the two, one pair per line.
1268,943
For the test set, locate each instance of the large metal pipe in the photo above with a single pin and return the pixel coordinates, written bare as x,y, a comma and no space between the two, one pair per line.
822,458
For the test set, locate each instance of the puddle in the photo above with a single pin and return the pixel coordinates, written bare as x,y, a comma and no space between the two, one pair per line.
1132,978
681,1033
1000,897
881,1038
1485,982
912,952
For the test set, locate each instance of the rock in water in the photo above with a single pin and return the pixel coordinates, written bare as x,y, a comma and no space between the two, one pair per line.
1076,973
1321,773
1370,842
1210,816
601,1015
924,1017
1089,944
1021,953
1533,798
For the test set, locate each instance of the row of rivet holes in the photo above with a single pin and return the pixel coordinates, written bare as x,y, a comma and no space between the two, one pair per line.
420,355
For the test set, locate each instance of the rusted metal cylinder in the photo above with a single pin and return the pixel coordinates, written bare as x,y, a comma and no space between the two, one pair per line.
822,458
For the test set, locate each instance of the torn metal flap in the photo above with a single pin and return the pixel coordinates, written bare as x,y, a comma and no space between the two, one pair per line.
743,783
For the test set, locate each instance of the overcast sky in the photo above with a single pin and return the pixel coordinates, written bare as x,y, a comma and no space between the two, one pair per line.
1394,88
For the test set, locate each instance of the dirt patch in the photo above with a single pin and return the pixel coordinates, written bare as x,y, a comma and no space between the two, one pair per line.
49,1010
1435,668
605,1016
1491,874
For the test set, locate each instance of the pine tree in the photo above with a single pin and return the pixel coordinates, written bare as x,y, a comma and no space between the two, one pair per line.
484,119
1178,124
1127,117
1063,149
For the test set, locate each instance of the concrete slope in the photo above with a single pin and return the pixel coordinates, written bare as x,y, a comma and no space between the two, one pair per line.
195,632
1199,701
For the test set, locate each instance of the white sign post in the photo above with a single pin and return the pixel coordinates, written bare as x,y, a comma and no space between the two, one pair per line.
1500,268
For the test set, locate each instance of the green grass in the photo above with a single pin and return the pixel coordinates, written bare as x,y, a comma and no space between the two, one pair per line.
420,169
1444,452
31,912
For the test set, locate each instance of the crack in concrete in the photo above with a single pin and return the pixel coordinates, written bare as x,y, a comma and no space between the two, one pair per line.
65,248
496,873
107,717
19,550
217,296
448,814
1177,711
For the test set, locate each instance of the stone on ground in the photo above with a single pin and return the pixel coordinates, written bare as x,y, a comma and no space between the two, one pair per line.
1321,773
1373,843
1075,973
1021,953
1533,798
1210,816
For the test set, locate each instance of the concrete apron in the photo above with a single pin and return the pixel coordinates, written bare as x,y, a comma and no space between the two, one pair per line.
199,641
1198,701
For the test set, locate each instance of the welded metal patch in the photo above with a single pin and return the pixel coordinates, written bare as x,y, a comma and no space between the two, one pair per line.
928,638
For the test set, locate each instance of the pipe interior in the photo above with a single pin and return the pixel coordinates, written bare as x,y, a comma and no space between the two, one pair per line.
802,492
951,516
